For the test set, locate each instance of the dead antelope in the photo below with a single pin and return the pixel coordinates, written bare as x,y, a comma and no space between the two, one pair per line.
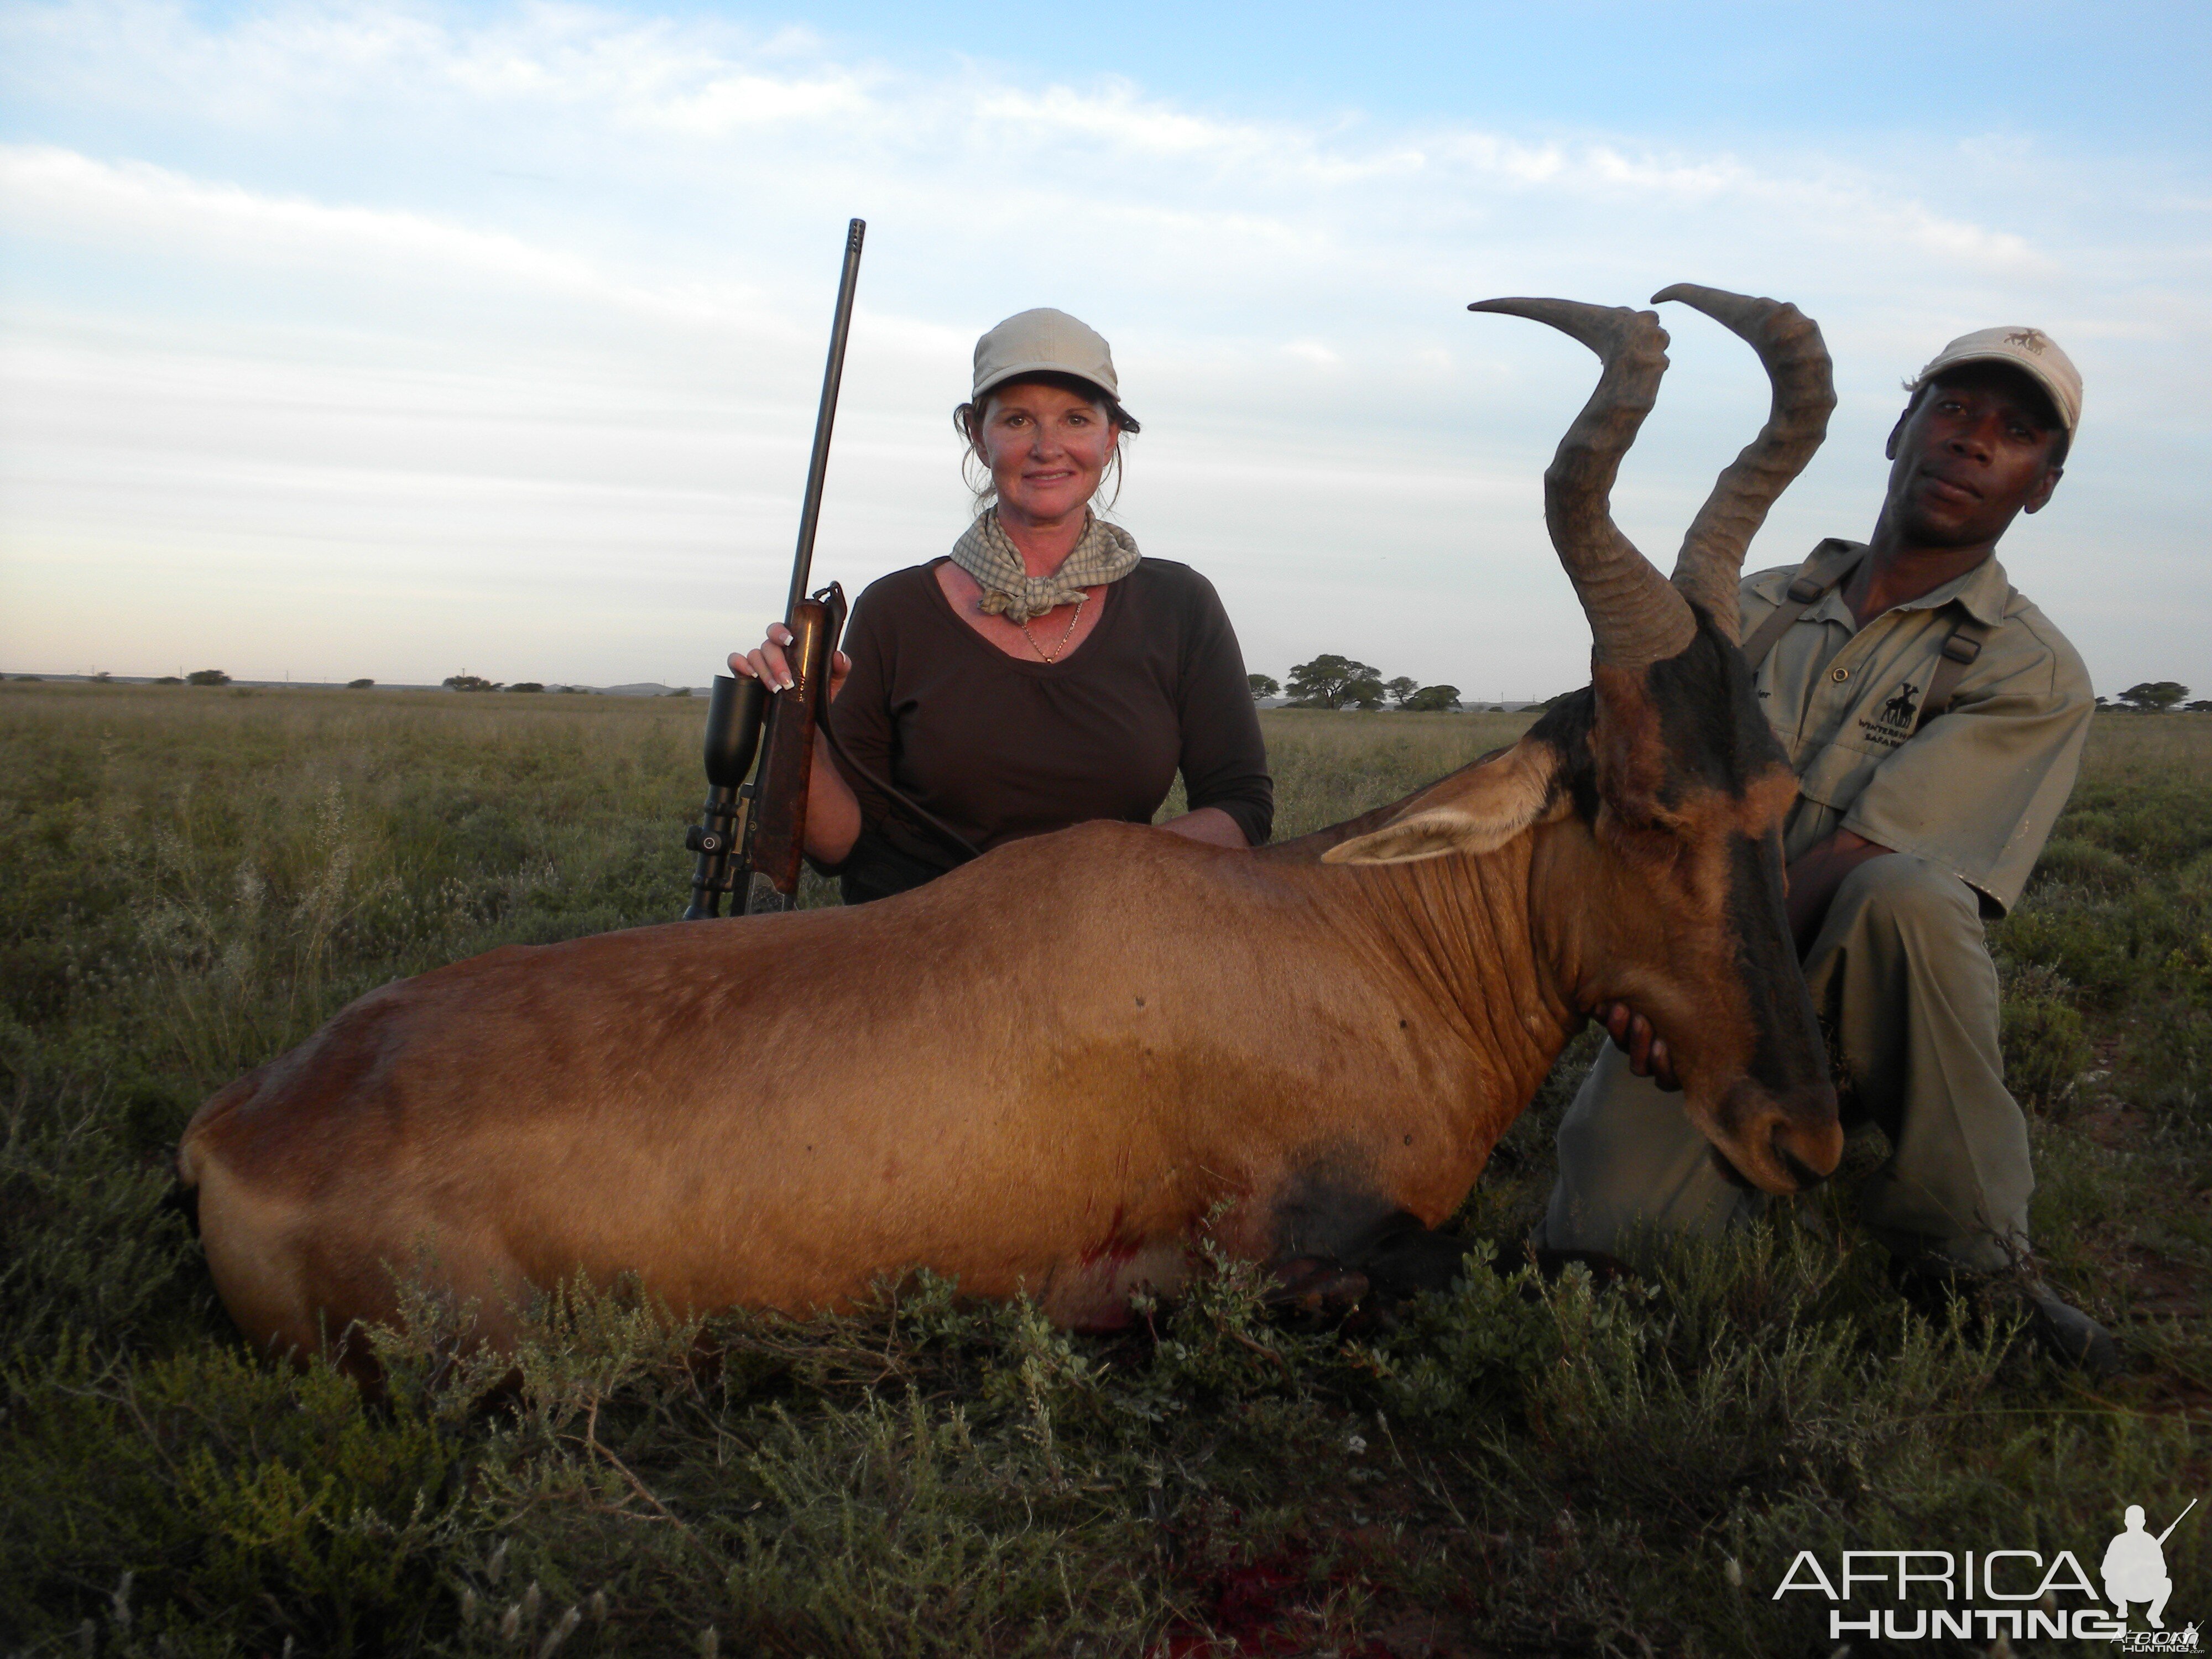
1311,1049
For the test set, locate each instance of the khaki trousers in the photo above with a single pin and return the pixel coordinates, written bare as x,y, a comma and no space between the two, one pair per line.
1902,978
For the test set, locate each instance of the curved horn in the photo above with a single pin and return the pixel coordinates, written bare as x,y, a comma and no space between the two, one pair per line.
1636,618
1789,343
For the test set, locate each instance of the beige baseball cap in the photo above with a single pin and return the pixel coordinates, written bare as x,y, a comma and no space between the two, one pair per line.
1042,341
2029,349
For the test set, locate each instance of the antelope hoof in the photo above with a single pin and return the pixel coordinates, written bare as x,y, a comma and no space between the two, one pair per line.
1310,1287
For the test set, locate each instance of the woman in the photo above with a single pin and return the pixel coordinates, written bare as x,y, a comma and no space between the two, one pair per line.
1041,675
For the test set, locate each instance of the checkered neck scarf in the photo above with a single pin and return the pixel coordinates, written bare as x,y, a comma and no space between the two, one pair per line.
1105,554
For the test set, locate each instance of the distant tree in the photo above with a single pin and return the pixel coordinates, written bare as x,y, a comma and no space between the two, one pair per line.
1400,688
168,679
2202,706
2154,696
103,678
1431,700
30,679
1263,685
1332,681
468,682
681,691
207,676
575,690
359,685
525,685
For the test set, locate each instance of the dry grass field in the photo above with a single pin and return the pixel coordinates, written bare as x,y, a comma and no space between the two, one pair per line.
191,879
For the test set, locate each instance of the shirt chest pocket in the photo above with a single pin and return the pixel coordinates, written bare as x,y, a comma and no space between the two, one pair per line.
1837,774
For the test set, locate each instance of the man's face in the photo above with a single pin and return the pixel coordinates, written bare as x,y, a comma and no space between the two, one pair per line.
1972,453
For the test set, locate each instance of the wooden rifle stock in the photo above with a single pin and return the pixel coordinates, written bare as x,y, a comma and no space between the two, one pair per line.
775,826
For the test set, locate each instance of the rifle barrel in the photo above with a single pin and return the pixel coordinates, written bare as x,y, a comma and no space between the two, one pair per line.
825,418
2178,1519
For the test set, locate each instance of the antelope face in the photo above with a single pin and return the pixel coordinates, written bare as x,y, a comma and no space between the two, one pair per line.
1684,791
1687,787
1676,905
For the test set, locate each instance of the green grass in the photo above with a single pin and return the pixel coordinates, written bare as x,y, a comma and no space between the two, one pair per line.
190,881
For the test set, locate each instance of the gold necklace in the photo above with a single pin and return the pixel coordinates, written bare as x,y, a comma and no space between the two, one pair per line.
1061,651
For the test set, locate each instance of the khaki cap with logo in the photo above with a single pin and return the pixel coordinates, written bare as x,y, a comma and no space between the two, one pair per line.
2029,349
1043,341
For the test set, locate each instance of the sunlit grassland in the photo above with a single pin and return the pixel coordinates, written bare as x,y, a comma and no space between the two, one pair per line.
192,880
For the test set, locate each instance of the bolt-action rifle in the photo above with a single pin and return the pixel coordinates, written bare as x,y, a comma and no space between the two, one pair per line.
750,837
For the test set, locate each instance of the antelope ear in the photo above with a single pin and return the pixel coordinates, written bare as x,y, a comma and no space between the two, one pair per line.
1474,811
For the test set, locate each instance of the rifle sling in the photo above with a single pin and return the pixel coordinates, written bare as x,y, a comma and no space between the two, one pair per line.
1820,573
854,770
1958,653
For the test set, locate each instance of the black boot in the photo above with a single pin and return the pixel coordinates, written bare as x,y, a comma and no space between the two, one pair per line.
2069,1335
1931,1283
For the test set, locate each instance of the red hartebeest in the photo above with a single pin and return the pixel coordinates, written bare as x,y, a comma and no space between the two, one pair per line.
1311,1050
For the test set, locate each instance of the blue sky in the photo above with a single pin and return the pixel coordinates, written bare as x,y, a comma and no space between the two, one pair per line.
2124,76
402,340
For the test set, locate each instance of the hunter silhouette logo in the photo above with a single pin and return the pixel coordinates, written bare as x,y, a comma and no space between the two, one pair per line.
2134,1567
2030,339
2001,1596
1897,711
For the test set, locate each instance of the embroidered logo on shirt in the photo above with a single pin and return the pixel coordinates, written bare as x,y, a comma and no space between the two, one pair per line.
1894,724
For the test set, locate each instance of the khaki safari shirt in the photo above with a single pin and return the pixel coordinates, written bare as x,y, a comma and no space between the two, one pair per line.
1974,791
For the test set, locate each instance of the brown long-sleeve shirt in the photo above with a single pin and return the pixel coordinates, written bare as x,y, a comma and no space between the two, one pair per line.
1000,748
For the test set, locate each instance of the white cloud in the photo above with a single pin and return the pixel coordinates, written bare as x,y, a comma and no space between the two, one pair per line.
48,191
574,267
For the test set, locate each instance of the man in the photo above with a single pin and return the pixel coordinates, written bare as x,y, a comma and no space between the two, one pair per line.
1935,720
2135,1569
